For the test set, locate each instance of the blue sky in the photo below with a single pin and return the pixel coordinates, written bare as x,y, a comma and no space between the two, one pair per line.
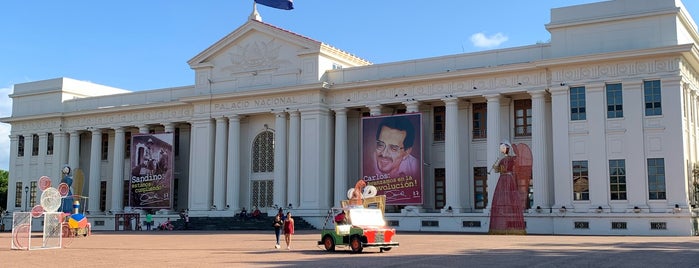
140,45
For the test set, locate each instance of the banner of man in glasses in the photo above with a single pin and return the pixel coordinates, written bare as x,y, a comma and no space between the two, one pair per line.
392,157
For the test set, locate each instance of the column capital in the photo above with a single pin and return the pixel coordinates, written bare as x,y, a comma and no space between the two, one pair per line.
493,97
234,117
537,93
558,90
374,109
451,100
595,86
340,111
411,105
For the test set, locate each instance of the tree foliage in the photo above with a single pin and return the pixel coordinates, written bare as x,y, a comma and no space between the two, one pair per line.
4,177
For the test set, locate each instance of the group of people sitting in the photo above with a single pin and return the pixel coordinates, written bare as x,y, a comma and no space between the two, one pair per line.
256,214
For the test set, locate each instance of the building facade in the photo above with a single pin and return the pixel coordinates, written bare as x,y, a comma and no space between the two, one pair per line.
609,108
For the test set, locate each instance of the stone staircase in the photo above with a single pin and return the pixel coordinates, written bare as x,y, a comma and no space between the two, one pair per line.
236,223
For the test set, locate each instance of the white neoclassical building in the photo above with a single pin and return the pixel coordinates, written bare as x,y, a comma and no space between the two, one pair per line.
609,108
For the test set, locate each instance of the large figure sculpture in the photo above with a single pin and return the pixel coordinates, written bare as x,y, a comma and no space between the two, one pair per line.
66,189
511,192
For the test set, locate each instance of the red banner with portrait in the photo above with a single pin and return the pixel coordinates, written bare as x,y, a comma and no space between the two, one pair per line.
392,157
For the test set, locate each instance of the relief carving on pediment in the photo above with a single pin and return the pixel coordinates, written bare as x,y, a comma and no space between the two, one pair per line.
255,56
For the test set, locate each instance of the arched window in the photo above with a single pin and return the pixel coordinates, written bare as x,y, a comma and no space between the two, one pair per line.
263,152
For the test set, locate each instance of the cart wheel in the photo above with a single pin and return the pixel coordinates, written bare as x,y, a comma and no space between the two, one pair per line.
329,243
384,249
356,244
67,235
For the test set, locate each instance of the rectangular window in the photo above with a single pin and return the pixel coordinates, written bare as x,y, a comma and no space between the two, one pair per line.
49,144
582,225
125,194
480,115
439,120
439,188
127,150
581,184
523,118
619,225
177,142
480,187
658,225
18,194
35,144
656,178
615,103
105,146
20,146
617,179
103,196
577,103
651,95
33,189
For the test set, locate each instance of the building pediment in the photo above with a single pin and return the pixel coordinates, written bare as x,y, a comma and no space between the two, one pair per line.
255,45
260,55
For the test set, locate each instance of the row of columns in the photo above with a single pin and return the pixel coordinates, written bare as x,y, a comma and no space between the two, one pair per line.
226,157
226,162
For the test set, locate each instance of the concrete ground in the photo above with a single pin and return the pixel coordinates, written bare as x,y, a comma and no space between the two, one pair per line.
256,249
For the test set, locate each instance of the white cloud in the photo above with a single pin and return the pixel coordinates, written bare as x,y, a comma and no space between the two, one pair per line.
5,111
481,40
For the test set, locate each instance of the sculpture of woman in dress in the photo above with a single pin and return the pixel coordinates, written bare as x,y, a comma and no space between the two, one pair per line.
507,210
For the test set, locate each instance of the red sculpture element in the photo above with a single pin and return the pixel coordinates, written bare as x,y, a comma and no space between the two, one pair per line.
356,199
511,191
523,171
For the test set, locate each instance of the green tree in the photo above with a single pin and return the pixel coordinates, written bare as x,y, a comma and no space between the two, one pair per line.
4,176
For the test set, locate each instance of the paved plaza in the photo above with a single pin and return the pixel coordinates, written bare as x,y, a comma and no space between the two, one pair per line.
417,249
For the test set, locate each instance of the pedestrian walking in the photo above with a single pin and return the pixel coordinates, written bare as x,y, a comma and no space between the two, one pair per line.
278,224
288,230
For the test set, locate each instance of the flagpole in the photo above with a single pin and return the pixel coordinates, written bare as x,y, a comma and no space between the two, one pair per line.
255,15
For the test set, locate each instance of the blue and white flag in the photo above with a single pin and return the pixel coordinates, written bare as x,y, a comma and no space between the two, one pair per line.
280,4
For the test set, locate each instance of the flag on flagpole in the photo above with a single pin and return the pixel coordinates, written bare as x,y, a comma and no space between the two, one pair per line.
280,4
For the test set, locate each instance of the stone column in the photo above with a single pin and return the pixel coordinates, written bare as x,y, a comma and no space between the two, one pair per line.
540,176
560,118
13,178
294,158
201,165
41,157
60,153
316,164
118,170
493,143
74,151
341,182
233,191
452,158
220,150
280,180
595,149
93,204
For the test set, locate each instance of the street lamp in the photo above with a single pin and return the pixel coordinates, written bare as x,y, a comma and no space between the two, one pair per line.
26,197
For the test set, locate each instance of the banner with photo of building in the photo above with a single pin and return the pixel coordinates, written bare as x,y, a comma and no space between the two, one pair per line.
151,181
392,157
